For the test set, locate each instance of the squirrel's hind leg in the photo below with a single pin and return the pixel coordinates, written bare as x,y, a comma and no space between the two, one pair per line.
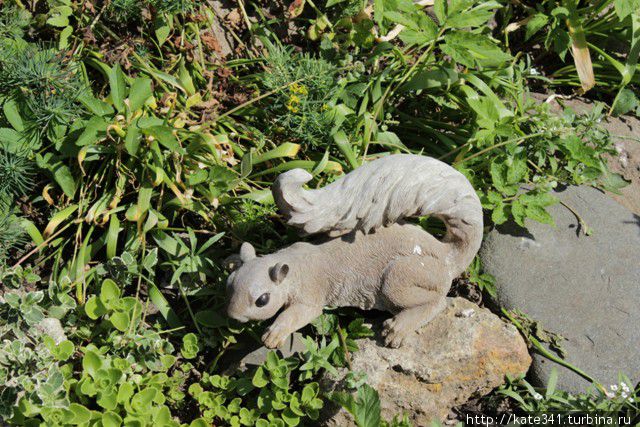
414,287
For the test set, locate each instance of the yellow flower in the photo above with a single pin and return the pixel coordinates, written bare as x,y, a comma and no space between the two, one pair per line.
299,89
293,103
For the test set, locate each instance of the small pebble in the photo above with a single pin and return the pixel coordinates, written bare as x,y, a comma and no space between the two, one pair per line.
467,312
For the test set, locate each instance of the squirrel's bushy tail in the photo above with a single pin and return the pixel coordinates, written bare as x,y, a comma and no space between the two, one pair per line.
381,193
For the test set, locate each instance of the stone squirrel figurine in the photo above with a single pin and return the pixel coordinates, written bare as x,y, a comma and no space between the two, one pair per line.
370,259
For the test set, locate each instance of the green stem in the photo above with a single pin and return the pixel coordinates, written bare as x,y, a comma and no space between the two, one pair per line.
517,141
543,351
425,55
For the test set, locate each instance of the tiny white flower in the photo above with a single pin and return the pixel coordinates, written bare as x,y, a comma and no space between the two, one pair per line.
625,387
614,387
624,395
537,396
630,400
609,394
534,71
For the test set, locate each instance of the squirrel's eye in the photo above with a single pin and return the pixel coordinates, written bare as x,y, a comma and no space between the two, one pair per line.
262,300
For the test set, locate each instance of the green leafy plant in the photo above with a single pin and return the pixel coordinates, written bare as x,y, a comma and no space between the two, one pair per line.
618,399
139,140
364,406
276,404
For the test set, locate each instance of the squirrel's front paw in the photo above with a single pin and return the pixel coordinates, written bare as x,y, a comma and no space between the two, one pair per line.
394,333
275,336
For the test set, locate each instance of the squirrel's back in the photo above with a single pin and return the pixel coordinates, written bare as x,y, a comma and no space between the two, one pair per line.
382,192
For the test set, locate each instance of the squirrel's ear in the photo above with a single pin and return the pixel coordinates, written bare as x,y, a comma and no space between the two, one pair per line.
232,262
278,272
247,252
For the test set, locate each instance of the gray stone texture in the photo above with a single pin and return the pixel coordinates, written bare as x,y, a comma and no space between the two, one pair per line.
586,288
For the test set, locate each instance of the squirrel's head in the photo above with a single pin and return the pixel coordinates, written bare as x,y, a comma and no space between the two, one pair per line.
256,287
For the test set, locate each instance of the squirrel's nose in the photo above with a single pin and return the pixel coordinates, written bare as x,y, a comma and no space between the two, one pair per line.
234,316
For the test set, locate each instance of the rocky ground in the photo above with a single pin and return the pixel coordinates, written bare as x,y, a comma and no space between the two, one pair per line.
464,353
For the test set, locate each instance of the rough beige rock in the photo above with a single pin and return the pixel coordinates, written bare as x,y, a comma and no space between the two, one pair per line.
465,352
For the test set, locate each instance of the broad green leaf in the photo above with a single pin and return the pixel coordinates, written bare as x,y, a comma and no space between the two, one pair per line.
260,378
58,218
94,131
164,135
344,145
368,407
210,319
94,308
125,391
286,149
401,18
518,212
12,114
190,346
309,392
118,86
162,29
32,231
81,414
551,383
185,78
60,171
471,18
246,165
63,39
10,140
538,213
112,235
95,105
64,350
580,151
630,66
440,10
613,182
290,418
139,93
132,139
141,401
63,176
111,419
626,101
331,166
163,307
91,363
472,50
502,179
535,24
58,21
625,8
109,293
499,214
441,77
107,400
120,321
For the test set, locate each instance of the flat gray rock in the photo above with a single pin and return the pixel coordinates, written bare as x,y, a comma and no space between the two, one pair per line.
585,288
251,358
